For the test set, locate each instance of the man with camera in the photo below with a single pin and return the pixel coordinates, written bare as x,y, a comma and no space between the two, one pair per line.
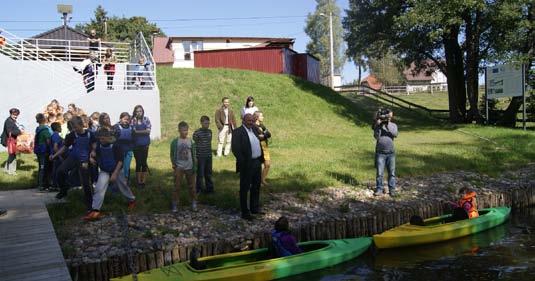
384,131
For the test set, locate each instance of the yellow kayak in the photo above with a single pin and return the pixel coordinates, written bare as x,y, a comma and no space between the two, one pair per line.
436,229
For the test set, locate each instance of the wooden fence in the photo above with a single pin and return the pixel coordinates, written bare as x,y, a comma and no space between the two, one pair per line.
357,226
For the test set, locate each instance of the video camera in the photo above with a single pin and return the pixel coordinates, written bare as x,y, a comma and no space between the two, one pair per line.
382,114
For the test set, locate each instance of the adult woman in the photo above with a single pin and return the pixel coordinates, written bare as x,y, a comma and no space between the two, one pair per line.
249,107
141,125
9,135
263,135
109,61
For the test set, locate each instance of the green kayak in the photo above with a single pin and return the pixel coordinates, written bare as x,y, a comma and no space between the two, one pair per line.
253,265
436,229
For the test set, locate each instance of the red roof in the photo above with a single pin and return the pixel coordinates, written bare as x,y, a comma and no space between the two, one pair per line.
161,51
372,82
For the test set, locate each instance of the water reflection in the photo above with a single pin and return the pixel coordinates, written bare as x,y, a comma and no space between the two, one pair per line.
506,252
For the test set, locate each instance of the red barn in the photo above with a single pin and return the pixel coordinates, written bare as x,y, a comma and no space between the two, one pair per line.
264,59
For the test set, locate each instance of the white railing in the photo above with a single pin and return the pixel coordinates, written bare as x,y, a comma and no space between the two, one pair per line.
19,49
140,49
126,77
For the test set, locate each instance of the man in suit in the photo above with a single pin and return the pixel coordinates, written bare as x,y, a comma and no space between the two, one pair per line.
225,122
246,148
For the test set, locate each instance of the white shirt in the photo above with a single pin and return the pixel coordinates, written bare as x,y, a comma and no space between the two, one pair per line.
226,115
256,150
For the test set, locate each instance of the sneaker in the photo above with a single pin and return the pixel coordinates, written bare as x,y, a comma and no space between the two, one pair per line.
61,195
132,205
194,205
93,215
377,193
174,208
392,194
3,212
42,189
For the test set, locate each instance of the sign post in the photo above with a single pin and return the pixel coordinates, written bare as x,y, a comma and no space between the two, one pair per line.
506,80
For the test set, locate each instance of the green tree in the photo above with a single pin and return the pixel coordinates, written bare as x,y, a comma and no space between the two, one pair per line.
455,34
120,29
317,28
387,69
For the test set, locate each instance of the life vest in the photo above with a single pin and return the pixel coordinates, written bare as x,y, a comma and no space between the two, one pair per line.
125,138
141,140
81,147
471,199
275,239
106,158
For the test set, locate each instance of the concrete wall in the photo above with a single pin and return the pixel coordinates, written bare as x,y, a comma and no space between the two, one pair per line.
30,86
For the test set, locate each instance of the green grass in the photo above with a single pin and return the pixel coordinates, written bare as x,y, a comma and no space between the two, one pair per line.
437,100
319,139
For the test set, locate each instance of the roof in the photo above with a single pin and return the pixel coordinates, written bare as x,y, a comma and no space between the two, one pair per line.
58,33
161,51
265,39
372,81
425,73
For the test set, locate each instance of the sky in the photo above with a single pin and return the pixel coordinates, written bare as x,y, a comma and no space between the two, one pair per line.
247,18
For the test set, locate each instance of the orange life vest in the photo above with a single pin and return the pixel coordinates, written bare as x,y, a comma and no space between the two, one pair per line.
471,199
2,41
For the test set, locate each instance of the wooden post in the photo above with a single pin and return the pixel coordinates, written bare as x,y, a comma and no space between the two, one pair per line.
151,261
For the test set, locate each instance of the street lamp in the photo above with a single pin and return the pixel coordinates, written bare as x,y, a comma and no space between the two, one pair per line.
331,46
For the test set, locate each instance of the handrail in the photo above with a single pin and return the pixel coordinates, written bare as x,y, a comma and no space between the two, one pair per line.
140,47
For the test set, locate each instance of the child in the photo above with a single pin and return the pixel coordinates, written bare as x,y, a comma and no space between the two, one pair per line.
466,208
284,243
141,126
183,162
124,134
41,149
56,143
67,116
263,135
203,142
83,144
110,160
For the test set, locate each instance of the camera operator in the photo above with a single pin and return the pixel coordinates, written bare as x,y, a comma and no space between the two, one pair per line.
384,131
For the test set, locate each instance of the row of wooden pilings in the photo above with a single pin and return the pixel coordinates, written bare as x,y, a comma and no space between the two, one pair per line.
346,227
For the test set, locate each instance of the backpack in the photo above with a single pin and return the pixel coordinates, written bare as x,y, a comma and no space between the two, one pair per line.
42,147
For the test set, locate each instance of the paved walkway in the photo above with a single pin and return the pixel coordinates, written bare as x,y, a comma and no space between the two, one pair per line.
29,249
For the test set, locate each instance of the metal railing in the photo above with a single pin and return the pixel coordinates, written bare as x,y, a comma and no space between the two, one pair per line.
139,48
126,77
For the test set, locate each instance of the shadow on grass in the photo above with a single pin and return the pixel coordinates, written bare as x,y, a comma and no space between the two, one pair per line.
362,110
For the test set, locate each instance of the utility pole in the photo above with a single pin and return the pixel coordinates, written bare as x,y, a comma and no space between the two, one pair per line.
331,43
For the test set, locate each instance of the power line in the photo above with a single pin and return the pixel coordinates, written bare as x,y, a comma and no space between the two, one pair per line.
224,25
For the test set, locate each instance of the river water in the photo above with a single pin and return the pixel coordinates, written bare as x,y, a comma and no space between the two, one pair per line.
506,252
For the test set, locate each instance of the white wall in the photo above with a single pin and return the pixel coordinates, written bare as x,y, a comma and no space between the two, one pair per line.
29,86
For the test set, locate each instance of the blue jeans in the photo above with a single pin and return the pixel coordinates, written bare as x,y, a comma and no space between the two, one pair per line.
126,164
388,159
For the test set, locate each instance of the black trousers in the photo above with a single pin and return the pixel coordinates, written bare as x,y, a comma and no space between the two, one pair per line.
84,173
250,178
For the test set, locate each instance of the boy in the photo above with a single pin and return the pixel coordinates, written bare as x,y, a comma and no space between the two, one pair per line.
83,144
56,143
110,161
183,162
203,142
41,149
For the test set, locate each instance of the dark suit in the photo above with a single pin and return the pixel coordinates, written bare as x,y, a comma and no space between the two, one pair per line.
250,170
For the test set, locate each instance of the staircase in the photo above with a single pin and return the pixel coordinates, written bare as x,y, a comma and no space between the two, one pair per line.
31,77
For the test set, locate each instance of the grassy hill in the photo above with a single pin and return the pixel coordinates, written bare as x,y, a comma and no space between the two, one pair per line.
320,138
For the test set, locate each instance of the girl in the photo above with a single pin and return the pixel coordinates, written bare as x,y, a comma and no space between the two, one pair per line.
124,134
141,125
109,61
284,243
263,135
104,120
249,107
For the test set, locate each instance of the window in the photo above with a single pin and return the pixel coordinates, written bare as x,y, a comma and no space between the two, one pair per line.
190,47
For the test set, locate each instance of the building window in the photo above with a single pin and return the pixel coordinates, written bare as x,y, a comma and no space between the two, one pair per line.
190,47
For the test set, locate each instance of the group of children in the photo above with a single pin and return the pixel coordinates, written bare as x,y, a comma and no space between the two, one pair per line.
93,151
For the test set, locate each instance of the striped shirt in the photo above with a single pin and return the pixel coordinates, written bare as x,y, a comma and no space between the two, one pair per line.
203,142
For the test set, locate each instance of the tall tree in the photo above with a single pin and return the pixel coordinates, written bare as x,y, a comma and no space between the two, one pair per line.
317,28
388,69
120,29
452,33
